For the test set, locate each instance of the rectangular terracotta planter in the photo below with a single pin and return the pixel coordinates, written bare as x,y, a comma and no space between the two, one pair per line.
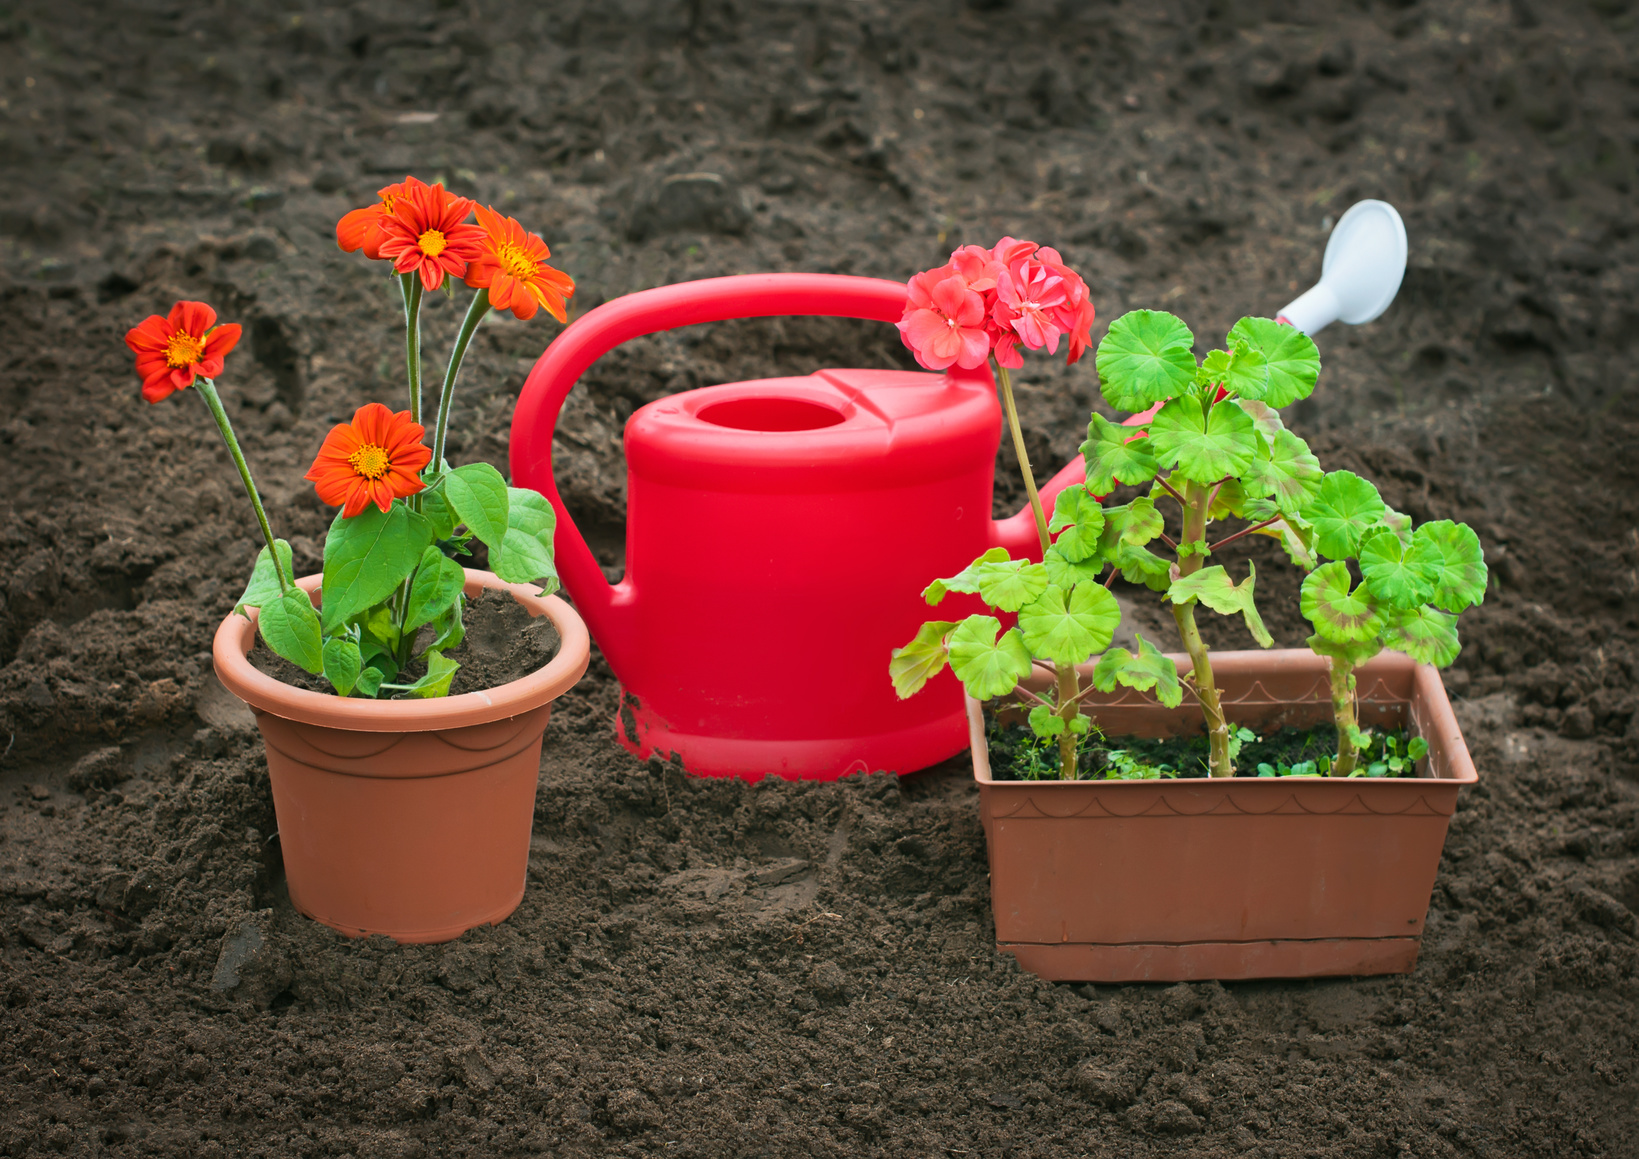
1162,881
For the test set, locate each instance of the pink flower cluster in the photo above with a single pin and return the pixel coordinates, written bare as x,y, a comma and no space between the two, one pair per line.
986,301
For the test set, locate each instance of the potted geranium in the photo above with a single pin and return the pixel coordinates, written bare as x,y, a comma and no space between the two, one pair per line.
1286,819
402,810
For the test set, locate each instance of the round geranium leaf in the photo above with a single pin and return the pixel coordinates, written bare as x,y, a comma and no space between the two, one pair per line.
1341,510
1080,519
922,659
1066,574
1289,473
1203,445
1145,358
1459,563
1115,454
1291,357
988,667
1068,631
1011,585
1426,634
1150,668
1398,574
1354,654
1339,614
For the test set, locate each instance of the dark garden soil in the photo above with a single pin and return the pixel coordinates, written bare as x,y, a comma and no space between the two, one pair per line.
731,969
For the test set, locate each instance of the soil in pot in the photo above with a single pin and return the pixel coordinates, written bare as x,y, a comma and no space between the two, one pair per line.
503,643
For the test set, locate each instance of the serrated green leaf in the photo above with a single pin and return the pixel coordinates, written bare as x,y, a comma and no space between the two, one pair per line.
1148,669
478,495
1204,446
922,659
986,666
264,581
1293,360
525,554
1132,524
1354,653
965,581
1248,373
1398,575
342,664
1459,563
1338,613
1213,587
1081,520
437,510
367,557
1146,357
1286,471
1067,575
1341,511
1213,367
438,581
1044,723
1426,634
1011,585
440,671
1068,631
1139,565
1114,454
290,627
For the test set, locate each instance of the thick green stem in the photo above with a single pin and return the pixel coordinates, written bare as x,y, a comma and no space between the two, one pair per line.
1344,713
1197,499
469,326
207,391
410,284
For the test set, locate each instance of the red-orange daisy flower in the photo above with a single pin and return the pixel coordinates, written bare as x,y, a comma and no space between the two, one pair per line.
376,458
171,350
427,233
361,229
512,267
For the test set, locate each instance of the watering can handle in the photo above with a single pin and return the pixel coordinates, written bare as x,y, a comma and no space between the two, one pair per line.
599,331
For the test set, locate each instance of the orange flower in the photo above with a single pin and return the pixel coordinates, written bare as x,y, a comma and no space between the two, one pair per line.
427,233
171,350
376,458
512,267
361,229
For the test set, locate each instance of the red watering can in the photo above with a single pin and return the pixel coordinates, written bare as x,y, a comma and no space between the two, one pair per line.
778,536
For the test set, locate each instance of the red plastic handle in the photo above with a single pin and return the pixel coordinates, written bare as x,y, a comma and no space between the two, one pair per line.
597,332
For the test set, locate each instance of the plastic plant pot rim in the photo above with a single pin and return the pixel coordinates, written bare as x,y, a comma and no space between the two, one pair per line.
1248,665
230,652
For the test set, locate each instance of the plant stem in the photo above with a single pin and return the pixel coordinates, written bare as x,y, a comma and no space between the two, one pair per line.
1244,531
1170,489
469,325
410,284
1195,518
207,391
1343,710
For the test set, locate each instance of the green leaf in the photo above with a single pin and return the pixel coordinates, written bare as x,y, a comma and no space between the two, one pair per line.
1132,524
478,496
440,671
1146,357
1293,361
965,581
1354,654
264,581
986,666
525,554
369,682
1010,585
1397,522
1339,614
922,659
1296,536
438,581
1398,574
1148,669
1079,516
1459,562
1228,499
1286,471
342,664
290,627
368,556
1416,748
1203,446
1115,454
438,512
1213,587
1140,565
1068,632
1426,634
1264,417
1044,723
1066,574
448,630
1344,507
1245,372
376,629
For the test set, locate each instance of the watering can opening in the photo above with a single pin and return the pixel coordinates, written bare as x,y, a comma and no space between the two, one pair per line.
770,414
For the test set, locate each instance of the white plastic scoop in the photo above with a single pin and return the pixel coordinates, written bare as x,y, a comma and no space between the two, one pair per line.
1360,274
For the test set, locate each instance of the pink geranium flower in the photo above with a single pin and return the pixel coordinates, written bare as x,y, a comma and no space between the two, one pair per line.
944,321
1028,301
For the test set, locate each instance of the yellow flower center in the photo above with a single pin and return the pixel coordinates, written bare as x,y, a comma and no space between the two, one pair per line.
387,200
432,243
183,348
370,461
515,262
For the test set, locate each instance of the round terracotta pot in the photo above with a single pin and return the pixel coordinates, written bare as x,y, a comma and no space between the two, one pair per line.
408,818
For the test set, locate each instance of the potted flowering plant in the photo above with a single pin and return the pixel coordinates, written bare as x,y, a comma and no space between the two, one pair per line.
1123,866
403,810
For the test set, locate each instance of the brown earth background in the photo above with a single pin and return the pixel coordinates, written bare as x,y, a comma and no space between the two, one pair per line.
778,969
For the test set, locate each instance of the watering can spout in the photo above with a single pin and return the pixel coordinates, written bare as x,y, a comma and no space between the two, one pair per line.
1361,273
